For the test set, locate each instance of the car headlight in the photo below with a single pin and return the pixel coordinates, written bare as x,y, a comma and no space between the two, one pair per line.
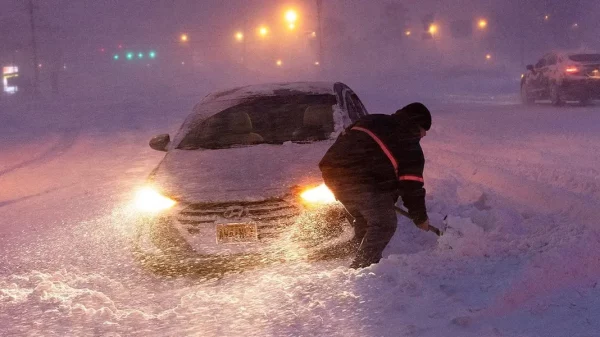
318,195
149,200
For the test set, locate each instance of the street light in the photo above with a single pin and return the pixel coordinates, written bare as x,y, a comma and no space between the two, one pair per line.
291,16
488,57
407,33
239,36
482,24
433,29
263,31
279,63
184,38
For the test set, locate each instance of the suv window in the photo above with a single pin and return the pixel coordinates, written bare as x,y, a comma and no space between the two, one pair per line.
362,111
585,57
265,119
353,109
541,63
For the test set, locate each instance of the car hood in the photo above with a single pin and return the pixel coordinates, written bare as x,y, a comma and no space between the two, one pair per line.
251,173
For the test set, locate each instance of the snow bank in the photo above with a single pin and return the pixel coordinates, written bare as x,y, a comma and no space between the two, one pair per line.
520,256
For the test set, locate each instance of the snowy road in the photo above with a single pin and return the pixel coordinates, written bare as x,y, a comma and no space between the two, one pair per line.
522,185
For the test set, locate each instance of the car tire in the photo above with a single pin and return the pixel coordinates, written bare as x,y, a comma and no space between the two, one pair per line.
556,95
526,97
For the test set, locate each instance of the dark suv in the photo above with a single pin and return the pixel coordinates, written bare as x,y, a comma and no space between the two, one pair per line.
562,77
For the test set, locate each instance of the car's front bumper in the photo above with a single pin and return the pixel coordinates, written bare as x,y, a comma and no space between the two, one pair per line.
191,231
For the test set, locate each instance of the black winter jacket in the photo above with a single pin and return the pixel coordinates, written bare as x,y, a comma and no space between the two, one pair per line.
356,160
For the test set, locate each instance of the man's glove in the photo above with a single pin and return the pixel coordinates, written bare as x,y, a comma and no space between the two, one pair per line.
423,225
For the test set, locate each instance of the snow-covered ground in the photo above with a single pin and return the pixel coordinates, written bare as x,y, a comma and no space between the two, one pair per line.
520,185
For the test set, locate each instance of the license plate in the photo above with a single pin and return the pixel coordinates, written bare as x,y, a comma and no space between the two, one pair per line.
236,233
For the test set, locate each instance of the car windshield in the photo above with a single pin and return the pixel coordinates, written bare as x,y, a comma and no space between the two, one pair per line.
585,58
264,119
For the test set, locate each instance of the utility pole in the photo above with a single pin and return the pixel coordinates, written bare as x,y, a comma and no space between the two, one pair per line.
320,30
244,39
36,71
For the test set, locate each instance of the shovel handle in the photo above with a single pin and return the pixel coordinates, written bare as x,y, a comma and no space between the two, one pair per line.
431,228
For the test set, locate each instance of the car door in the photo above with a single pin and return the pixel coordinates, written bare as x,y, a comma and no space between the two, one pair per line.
548,72
535,82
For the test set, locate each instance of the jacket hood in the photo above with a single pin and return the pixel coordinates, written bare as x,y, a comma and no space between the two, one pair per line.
417,113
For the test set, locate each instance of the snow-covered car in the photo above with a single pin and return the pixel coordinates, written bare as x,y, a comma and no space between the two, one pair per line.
240,179
561,77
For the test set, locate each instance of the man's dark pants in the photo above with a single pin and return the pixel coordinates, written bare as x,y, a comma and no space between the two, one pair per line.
374,218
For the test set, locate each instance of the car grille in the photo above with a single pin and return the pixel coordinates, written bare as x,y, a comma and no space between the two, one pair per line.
271,216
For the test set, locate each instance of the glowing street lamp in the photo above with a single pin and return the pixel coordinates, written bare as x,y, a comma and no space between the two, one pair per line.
279,63
546,17
239,36
129,56
488,57
482,24
433,29
407,33
184,38
263,31
291,17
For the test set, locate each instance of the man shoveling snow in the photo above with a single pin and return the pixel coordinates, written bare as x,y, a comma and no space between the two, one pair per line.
371,164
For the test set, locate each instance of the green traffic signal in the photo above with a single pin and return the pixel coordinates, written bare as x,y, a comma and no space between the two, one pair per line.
132,55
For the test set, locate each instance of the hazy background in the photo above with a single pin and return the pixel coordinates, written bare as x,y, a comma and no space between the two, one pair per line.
363,42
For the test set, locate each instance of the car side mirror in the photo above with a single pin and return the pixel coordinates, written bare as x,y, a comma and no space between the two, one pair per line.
529,67
160,142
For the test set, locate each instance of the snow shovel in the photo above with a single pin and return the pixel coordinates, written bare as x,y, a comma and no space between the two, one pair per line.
431,228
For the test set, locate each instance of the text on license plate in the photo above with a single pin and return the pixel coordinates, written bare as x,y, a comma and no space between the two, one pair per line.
236,233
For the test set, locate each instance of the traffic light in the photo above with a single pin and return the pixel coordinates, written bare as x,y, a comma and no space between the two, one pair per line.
135,55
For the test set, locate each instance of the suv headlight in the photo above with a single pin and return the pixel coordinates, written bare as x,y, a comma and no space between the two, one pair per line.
149,200
318,195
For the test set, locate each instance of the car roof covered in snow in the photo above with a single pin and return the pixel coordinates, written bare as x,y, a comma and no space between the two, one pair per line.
568,52
271,89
